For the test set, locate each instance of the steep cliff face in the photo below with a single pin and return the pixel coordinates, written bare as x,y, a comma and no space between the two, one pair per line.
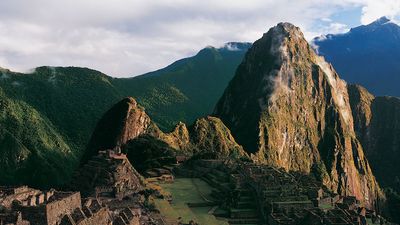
123,122
290,108
360,102
377,125
382,140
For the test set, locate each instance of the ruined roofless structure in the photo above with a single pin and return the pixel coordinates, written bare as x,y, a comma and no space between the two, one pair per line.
24,205
109,174
27,206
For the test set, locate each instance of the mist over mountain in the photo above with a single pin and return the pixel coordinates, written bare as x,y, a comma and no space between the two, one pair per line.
367,55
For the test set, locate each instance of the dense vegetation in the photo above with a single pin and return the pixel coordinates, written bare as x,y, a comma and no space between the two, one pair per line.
187,89
32,150
51,112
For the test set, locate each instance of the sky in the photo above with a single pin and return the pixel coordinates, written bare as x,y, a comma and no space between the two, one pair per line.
125,38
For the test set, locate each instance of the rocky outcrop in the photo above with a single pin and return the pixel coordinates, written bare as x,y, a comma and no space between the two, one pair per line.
123,122
126,121
179,138
211,138
289,108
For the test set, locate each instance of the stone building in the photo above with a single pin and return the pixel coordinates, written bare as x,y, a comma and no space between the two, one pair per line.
34,207
109,174
31,206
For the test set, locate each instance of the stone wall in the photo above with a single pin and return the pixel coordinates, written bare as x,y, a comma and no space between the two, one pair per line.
19,195
101,217
59,207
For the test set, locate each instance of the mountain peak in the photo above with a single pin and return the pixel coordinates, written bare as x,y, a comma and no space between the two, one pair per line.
124,121
376,25
285,29
380,21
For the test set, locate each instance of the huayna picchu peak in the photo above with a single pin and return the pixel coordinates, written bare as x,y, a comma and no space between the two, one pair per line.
289,107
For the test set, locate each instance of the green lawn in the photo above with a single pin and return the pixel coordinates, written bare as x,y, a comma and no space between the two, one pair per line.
183,191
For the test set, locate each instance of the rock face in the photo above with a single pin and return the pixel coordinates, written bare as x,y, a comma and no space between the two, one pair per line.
377,125
179,138
209,136
123,122
289,108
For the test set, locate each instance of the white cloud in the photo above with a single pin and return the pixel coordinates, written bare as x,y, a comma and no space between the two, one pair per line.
130,37
374,9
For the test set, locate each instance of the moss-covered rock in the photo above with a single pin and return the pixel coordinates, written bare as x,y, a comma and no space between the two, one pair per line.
211,138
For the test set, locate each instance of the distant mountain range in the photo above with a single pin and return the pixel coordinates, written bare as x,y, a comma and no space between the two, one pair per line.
368,55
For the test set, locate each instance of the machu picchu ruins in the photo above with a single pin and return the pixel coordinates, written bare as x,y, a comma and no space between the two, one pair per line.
113,199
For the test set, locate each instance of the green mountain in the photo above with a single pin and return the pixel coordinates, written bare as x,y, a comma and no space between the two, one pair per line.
69,101
71,98
31,148
187,89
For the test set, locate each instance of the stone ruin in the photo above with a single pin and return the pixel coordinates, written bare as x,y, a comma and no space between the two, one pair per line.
258,194
30,207
109,174
296,199
23,205
109,183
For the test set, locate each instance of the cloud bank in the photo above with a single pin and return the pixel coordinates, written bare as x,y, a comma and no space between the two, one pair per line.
130,37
